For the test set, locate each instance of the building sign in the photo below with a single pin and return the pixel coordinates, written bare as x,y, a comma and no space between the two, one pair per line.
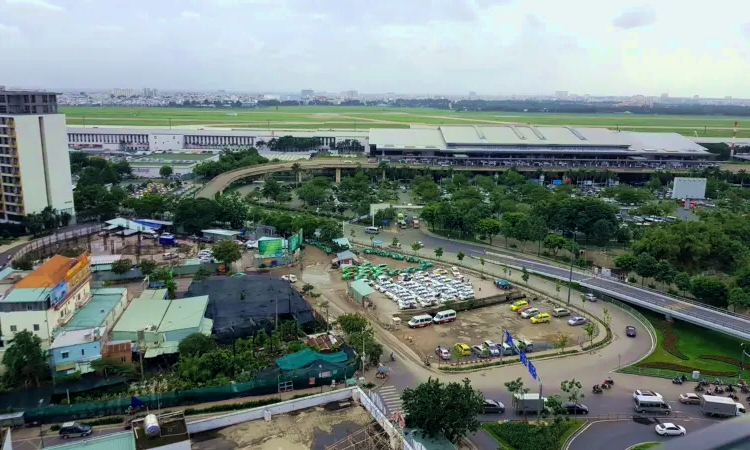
58,293
79,272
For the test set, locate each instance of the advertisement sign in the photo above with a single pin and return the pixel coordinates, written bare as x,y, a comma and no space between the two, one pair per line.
293,242
79,272
271,247
58,293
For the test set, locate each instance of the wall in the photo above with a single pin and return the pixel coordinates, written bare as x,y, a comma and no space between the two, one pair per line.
32,163
25,320
58,160
278,408
184,445
161,142
91,350
178,335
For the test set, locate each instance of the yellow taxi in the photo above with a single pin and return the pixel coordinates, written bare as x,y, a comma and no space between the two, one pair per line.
462,348
518,305
540,318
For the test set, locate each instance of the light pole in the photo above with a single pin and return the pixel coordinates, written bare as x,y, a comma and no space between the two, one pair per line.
572,255
742,359
41,423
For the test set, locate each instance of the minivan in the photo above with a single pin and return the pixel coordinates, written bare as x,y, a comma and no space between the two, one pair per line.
420,321
446,316
651,404
371,230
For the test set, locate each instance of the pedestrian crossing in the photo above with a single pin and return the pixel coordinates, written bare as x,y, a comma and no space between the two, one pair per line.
391,398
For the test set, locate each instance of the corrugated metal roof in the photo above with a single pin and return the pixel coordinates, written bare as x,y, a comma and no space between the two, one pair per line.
184,313
221,232
48,274
115,441
128,224
406,138
27,295
95,311
153,294
361,287
141,314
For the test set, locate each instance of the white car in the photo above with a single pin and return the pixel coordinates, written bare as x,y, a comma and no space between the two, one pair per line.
670,429
492,347
531,312
644,393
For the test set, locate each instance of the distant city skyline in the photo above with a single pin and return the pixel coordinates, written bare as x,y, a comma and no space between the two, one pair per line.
424,47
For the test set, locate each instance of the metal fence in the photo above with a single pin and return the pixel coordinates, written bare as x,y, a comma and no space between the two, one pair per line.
50,245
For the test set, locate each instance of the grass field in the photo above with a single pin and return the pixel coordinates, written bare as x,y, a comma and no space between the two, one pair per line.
324,117
693,342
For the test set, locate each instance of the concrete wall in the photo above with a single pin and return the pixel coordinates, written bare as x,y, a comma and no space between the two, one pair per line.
170,142
32,163
279,408
184,445
57,154
77,352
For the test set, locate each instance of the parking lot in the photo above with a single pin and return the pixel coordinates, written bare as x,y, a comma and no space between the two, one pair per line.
489,323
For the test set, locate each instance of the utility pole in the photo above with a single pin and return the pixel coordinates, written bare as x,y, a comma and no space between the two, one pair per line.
541,402
570,275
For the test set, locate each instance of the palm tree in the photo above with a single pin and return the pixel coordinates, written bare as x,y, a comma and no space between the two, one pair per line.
260,143
297,169
382,166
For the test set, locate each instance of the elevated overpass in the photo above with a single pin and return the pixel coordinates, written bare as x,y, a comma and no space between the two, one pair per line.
222,181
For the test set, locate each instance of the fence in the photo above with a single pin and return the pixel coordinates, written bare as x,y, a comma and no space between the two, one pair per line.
50,245
320,373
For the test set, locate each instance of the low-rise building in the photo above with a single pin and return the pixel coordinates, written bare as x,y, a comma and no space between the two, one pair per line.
73,351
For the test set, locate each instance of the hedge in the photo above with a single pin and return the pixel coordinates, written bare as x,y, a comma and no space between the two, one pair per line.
500,363
669,343
684,369
105,421
724,359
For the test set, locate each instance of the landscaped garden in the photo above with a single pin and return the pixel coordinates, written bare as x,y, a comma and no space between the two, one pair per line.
518,435
683,347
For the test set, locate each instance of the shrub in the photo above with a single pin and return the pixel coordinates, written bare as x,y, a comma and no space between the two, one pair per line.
652,286
685,369
725,359
54,427
632,279
670,339
105,421
527,436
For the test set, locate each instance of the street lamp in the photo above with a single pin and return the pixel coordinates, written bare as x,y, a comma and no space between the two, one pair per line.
572,255
41,423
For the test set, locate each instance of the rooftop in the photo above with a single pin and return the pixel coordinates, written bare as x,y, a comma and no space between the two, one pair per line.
104,259
141,314
27,295
95,312
220,232
173,430
361,287
127,224
153,294
73,337
184,313
48,274
116,441
163,315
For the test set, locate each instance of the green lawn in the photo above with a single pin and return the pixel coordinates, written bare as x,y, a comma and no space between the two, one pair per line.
493,430
693,342
344,117
646,445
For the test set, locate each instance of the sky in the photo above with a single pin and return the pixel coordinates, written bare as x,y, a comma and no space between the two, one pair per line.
492,47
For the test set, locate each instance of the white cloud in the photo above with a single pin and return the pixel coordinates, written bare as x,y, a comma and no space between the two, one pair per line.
36,4
190,15
635,17
9,31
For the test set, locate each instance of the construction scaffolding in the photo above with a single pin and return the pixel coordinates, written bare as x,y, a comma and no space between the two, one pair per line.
372,437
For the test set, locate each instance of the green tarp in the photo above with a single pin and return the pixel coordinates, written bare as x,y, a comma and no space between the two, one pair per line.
306,357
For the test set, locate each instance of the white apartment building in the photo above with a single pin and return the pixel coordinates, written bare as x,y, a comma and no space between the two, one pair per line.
34,155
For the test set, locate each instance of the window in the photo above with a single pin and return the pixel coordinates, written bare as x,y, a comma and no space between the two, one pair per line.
13,328
2,344
64,355
83,352
36,327
29,307
121,359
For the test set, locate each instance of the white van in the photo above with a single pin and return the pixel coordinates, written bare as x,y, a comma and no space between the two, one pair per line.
446,316
371,230
648,403
420,321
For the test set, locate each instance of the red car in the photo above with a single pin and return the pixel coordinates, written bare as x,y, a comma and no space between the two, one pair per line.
523,308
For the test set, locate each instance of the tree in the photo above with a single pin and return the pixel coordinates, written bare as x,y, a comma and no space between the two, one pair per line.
24,361
590,329
645,266
352,323
271,189
416,247
394,242
538,232
607,317
439,252
23,263
554,242
626,261
738,298
516,387
562,341
683,282
196,214
201,274
436,409
525,275
227,251
196,344
710,290
481,261
166,171
147,266
460,255
122,266
573,390
65,218
602,230
665,272
307,288
296,169
557,289
488,227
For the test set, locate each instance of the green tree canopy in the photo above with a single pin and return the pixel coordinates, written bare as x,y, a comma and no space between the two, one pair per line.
197,344
24,361
227,251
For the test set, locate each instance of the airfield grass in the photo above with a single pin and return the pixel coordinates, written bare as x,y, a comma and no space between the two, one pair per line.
294,117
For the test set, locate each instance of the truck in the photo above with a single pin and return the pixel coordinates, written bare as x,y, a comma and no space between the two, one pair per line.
713,405
530,403
415,223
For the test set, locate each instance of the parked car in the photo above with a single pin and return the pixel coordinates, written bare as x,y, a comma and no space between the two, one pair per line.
530,312
591,297
541,318
443,353
75,429
518,305
493,406
169,255
630,331
577,320
464,349
670,429
690,399
524,308
560,312
492,348
480,352
575,408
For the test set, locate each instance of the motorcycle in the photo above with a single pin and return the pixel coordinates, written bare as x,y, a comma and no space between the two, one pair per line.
717,382
734,397
745,389
393,356
676,380
747,399
609,381
597,389
719,390
730,388
606,386
703,382
698,388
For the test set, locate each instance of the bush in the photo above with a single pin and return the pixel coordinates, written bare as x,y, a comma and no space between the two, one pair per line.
632,279
725,359
54,427
528,436
105,421
670,339
652,286
684,369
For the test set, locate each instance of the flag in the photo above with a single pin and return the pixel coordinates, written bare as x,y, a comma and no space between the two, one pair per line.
136,402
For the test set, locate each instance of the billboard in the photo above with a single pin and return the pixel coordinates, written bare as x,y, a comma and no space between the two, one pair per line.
58,293
271,247
79,272
294,241
690,188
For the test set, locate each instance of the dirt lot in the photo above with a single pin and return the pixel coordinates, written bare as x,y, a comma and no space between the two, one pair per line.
473,327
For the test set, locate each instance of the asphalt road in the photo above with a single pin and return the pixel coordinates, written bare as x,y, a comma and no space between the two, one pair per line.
621,434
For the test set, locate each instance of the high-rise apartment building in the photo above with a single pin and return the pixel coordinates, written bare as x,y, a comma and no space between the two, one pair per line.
149,92
117,92
34,156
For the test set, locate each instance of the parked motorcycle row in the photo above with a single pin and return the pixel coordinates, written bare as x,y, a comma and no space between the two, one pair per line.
729,389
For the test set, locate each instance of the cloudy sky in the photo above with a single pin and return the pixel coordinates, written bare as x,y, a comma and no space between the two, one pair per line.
377,46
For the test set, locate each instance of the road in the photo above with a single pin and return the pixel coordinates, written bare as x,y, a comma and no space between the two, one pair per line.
621,434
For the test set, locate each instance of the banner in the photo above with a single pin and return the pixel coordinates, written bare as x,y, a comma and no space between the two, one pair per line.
293,243
271,247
